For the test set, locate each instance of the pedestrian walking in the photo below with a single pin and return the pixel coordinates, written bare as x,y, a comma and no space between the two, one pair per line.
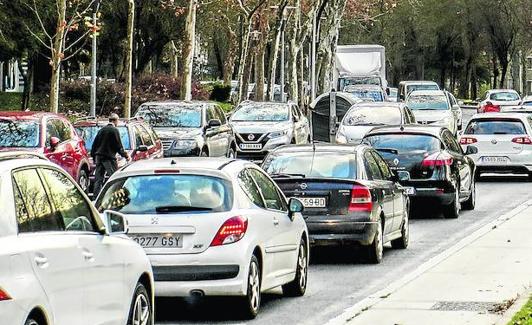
104,149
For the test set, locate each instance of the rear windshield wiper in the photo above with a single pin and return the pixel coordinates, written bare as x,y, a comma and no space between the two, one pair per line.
287,175
179,208
390,150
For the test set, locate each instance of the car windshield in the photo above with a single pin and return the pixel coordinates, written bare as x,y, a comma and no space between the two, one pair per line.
504,96
373,116
261,112
404,143
427,102
154,194
310,164
21,134
373,95
495,126
362,81
88,133
176,116
527,103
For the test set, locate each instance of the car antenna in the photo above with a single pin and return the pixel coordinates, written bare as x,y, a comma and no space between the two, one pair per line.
402,128
173,162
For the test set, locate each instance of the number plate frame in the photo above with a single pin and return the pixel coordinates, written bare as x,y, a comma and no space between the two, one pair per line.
313,202
158,240
495,160
251,146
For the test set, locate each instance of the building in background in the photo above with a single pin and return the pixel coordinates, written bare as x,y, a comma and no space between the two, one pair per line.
11,78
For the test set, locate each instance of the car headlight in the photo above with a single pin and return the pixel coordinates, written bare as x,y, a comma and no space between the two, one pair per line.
185,143
277,134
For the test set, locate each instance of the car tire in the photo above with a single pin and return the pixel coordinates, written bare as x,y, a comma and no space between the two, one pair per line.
141,308
471,200
31,321
231,154
402,242
204,153
298,286
83,180
452,210
376,248
250,303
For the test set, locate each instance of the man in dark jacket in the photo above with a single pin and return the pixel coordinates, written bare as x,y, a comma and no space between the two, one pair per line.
104,149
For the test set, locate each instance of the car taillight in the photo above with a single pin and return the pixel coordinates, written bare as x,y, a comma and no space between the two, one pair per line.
437,159
231,231
360,199
522,140
4,295
467,140
489,107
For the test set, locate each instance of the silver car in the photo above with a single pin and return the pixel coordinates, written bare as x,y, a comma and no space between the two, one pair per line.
504,142
263,126
436,107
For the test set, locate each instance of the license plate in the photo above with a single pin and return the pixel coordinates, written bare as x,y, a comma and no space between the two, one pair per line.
410,190
251,146
158,240
313,202
495,160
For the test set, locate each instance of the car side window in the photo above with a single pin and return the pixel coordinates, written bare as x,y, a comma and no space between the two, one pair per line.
211,115
383,166
272,198
250,188
63,130
450,143
51,131
33,207
372,167
69,203
151,132
146,138
295,113
220,114
138,138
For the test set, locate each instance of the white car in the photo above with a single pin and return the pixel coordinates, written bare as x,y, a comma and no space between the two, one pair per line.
495,100
436,107
504,142
215,227
60,263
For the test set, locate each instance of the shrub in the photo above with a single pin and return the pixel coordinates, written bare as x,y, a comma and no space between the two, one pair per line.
220,93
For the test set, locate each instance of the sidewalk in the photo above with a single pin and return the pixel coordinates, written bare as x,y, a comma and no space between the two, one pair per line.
474,282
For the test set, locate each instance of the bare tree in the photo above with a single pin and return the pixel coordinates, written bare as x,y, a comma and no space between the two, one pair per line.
129,58
188,50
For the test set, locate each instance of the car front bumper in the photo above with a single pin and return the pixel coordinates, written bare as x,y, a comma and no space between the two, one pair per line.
259,155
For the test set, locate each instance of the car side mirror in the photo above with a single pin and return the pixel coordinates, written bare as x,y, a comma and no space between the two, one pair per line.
54,142
214,123
115,222
471,150
294,206
403,176
142,148
388,91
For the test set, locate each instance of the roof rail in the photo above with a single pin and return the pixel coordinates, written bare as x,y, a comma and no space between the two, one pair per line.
8,155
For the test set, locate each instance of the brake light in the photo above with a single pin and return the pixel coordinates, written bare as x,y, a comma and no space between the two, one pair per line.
231,231
360,199
466,140
522,140
4,295
437,159
490,107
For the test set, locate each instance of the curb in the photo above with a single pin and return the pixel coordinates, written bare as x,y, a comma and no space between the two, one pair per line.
363,305
515,308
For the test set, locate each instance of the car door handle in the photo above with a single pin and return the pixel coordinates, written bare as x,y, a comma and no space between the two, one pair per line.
88,256
41,261
275,222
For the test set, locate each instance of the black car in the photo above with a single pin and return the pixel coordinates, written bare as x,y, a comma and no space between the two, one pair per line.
350,195
430,162
190,128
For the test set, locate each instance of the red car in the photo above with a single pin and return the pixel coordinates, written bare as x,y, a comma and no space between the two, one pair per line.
49,134
138,138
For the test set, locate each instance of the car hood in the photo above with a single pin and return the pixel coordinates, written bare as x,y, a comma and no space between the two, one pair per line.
259,127
177,133
431,115
355,133
8,149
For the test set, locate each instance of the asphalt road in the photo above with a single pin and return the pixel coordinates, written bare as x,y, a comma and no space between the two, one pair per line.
338,279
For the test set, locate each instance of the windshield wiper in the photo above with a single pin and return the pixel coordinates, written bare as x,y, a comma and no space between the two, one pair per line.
179,208
287,175
390,150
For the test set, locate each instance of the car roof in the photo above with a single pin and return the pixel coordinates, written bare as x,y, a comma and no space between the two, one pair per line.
427,92
10,160
412,128
418,82
179,163
397,105
192,103
28,115
318,147
251,102
519,116
101,121
491,91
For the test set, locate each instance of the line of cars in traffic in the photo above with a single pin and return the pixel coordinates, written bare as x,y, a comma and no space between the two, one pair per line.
224,226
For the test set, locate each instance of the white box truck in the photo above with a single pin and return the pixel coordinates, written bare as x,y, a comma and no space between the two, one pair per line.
359,64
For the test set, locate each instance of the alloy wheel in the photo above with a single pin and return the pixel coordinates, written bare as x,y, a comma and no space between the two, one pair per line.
141,311
254,286
378,242
303,266
83,181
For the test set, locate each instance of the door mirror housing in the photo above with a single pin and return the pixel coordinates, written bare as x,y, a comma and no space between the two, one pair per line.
54,142
142,148
403,176
294,206
115,223
214,123
471,150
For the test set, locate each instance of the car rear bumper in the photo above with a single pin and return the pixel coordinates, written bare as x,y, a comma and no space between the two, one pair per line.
331,231
441,191
517,163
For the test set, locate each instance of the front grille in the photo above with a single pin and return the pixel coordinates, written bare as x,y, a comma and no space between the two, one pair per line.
425,122
167,144
255,137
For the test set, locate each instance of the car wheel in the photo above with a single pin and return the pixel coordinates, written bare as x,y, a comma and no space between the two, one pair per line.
251,302
298,286
83,180
375,249
452,210
231,154
140,312
471,200
402,242
31,321
204,153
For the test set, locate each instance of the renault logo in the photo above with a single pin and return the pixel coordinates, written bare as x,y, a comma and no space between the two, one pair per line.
303,186
251,137
396,161
494,141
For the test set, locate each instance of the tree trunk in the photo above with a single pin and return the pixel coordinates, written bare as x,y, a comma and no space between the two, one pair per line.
259,72
218,56
188,51
504,71
28,82
57,56
129,58
293,88
243,68
174,63
230,57
274,52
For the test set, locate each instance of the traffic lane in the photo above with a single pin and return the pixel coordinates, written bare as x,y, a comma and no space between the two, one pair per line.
337,280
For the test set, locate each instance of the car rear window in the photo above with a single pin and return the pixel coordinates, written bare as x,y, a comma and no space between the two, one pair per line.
310,164
159,194
373,115
495,126
504,96
20,134
88,133
404,142
427,102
